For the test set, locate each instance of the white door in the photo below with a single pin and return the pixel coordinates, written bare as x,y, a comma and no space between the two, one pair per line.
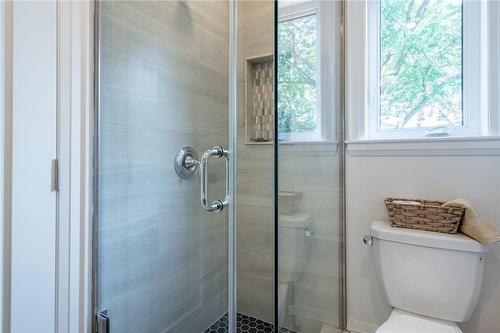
33,241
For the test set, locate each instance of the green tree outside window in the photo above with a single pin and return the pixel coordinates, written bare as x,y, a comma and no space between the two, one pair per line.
297,70
421,63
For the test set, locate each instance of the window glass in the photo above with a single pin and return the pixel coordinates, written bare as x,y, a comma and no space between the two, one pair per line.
297,77
420,64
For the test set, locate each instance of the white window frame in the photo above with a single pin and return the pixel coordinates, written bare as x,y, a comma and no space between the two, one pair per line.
480,86
325,121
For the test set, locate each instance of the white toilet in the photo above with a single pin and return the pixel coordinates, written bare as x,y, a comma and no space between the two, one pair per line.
294,245
294,249
431,279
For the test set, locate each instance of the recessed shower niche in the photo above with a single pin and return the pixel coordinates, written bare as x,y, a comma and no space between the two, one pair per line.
259,83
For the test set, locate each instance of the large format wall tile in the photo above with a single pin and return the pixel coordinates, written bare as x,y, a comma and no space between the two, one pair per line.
162,261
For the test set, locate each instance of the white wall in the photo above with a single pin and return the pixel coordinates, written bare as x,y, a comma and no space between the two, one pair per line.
372,178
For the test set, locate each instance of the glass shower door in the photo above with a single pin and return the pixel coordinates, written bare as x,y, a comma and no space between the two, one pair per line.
310,161
163,84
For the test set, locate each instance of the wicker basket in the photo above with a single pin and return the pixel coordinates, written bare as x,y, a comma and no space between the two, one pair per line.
424,215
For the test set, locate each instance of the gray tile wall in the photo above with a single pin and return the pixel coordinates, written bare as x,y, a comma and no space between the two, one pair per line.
255,170
162,261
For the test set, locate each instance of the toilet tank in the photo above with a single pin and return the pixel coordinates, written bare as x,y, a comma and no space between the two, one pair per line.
428,273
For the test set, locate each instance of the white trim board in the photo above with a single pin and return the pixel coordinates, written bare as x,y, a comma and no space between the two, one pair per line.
75,113
478,146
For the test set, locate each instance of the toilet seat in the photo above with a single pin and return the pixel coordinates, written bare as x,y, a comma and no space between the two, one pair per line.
405,322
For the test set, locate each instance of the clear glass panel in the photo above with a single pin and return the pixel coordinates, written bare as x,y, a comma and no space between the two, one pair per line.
163,84
298,62
255,165
421,64
311,175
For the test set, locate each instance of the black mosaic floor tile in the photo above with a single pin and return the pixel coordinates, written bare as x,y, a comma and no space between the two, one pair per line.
245,324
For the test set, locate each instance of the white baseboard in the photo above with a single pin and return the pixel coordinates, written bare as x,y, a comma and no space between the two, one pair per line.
357,326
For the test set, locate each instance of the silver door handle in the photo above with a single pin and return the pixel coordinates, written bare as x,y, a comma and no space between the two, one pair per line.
216,205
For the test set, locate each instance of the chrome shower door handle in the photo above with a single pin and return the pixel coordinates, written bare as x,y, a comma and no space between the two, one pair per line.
217,205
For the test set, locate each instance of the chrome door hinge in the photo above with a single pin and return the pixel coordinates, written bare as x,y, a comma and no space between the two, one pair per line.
102,322
54,181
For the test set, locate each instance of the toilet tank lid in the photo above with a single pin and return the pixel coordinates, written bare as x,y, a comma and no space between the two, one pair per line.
460,242
299,220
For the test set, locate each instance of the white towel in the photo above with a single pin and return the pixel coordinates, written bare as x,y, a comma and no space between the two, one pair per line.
406,202
475,224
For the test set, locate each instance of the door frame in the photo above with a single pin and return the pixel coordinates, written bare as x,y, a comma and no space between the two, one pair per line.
74,96
76,132
232,268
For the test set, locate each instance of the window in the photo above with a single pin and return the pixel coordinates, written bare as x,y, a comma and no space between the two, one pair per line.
422,68
309,87
420,64
298,111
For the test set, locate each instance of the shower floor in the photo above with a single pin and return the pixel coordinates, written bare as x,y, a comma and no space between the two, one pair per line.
245,324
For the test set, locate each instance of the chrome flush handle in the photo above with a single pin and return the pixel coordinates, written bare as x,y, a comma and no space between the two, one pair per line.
368,240
217,205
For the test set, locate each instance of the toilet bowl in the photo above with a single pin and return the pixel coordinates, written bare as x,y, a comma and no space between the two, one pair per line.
283,296
294,245
294,249
328,329
405,322
431,279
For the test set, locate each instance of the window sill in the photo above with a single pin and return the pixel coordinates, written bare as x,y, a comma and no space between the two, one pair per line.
306,149
450,146
307,142
297,142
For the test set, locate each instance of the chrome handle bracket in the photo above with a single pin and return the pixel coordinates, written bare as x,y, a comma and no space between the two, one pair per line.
217,205
186,163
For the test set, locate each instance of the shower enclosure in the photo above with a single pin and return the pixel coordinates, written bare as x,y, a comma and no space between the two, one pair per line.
192,184
163,261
